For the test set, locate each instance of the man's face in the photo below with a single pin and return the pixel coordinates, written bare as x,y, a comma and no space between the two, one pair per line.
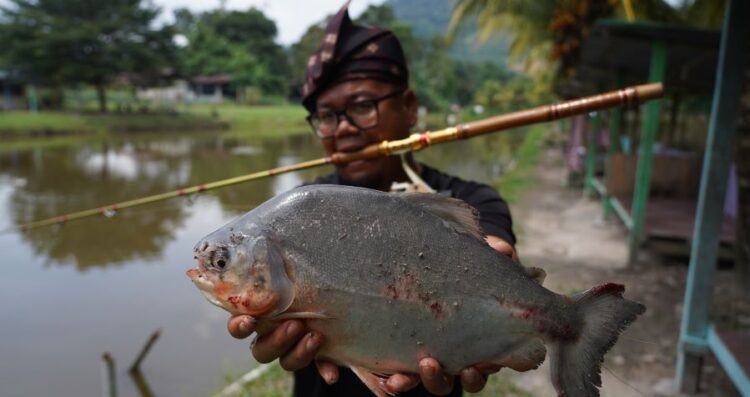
396,115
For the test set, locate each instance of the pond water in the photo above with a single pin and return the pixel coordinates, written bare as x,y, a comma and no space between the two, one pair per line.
104,284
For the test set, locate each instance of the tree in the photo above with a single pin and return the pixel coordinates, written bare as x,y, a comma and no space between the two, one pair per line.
240,43
61,42
300,52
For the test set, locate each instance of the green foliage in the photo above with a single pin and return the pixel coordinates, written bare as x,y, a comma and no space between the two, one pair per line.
548,33
79,41
300,51
239,43
430,18
518,93
438,78
517,180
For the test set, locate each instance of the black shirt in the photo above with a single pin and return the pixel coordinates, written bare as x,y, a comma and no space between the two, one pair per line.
495,219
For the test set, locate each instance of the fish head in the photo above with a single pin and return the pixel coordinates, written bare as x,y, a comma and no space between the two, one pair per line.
242,274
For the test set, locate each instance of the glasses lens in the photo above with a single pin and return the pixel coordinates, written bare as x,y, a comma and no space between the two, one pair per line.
363,114
324,123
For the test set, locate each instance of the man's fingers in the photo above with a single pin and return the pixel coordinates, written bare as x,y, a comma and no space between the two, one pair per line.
502,247
241,326
328,371
433,377
472,380
269,347
400,383
303,353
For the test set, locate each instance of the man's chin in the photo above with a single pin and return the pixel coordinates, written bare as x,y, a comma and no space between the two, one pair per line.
361,179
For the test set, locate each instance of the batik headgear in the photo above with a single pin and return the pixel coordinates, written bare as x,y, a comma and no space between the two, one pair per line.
351,52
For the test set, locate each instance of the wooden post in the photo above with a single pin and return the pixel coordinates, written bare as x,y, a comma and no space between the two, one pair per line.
657,71
592,136
109,376
615,122
709,214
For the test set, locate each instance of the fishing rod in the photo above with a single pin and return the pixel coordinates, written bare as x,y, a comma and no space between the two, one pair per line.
630,96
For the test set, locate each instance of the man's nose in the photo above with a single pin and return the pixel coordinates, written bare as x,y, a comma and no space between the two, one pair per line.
345,127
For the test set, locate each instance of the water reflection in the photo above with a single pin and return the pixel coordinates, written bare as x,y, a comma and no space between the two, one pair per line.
70,179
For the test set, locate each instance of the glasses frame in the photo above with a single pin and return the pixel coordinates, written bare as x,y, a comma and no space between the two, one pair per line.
375,102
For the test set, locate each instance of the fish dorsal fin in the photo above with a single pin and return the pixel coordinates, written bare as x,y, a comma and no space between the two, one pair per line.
536,273
462,216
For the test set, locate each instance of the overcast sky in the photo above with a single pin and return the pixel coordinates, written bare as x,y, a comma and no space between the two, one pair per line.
292,17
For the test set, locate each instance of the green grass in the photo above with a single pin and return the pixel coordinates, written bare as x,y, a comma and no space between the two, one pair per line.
515,182
265,121
276,382
262,121
25,123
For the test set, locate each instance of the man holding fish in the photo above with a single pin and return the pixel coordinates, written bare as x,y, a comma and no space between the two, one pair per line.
357,92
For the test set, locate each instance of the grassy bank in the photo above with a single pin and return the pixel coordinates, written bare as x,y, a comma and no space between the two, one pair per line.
261,120
255,120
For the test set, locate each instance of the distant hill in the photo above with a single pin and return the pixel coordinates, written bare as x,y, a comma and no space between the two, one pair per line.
431,17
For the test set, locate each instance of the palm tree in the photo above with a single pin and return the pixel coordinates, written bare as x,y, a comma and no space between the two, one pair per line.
550,31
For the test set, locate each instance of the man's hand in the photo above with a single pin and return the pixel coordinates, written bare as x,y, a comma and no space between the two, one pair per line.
290,342
502,247
473,379
295,347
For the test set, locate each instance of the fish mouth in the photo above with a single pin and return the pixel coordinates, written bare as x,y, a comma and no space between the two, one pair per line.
205,286
198,276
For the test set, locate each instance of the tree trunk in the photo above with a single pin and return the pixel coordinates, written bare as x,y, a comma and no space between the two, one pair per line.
101,95
742,162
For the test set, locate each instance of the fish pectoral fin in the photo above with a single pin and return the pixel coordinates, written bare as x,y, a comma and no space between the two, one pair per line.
374,382
302,315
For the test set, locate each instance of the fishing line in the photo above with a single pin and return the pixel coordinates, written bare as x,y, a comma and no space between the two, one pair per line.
622,381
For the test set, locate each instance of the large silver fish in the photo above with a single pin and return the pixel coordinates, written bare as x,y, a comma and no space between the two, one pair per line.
389,279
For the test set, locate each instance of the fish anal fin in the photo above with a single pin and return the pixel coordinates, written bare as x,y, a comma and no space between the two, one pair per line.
302,315
462,216
374,382
525,356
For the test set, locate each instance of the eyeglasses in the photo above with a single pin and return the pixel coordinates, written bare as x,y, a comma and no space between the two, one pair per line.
361,114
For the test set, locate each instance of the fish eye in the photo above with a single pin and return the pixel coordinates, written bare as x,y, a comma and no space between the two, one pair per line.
220,259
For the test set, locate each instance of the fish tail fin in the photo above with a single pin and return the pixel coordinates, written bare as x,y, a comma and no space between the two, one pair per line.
576,364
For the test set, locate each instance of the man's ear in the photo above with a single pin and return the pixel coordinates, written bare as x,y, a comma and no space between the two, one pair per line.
411,103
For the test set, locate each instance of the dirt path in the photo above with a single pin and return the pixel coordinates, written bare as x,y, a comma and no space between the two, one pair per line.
565,234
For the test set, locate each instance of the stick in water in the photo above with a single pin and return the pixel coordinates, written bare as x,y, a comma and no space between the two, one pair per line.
109,386
146,348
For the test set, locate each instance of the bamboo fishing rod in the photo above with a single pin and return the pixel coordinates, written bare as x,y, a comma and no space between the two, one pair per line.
630,96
